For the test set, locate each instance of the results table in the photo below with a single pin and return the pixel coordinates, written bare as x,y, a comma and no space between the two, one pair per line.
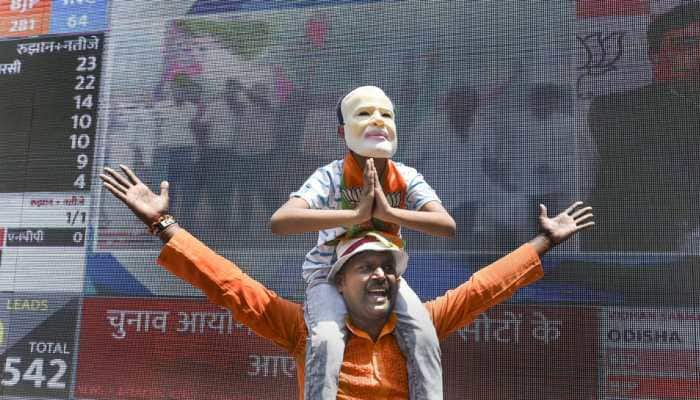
50,62
48,106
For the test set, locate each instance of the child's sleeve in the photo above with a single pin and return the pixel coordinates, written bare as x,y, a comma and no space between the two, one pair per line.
317,189
419,192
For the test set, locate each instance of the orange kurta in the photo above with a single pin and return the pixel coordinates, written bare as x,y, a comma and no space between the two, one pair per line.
370,370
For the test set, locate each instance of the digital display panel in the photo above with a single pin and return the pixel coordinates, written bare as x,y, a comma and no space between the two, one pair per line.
500,106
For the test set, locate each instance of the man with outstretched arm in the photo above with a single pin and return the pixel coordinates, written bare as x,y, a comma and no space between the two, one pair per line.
367,273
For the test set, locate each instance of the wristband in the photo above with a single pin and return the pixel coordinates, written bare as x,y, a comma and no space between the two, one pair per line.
163,222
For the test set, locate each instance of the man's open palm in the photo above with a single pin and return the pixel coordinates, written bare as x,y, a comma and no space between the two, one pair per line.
147,205
567,223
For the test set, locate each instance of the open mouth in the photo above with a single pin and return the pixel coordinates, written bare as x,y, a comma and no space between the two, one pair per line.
378,295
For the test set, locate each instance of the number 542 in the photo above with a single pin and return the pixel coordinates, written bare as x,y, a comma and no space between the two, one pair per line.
34,373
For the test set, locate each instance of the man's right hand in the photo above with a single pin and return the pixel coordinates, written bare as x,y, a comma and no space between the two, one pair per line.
366,204
145,204
557,229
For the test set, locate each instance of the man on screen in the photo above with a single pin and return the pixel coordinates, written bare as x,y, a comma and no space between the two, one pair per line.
648,141
367,273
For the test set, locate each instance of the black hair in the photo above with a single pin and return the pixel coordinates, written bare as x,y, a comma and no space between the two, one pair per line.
339,112
676,18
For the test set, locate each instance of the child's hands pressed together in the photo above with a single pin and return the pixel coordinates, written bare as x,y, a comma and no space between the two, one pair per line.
366,204
382,208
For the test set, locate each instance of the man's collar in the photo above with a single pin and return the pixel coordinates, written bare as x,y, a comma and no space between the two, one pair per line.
387,329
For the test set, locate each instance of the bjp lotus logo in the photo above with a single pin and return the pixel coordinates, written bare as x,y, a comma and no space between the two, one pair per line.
602,55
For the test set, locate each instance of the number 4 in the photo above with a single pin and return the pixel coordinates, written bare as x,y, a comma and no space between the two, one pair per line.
35,372
79,182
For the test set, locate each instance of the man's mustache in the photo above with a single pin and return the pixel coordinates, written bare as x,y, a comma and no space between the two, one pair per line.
378,285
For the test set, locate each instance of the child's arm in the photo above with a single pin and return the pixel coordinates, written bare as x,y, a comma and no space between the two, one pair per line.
432,218
297,216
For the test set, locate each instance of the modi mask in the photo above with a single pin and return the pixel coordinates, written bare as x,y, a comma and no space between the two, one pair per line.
368,116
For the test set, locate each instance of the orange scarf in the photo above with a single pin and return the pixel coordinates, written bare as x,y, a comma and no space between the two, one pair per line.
394,187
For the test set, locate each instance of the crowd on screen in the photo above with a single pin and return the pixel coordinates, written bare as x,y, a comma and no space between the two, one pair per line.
235,134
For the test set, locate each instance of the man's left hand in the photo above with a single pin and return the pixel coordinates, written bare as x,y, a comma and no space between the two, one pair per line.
573,219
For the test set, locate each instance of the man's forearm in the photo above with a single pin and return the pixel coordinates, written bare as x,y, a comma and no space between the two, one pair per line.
434,223
541,243
298,220
169,232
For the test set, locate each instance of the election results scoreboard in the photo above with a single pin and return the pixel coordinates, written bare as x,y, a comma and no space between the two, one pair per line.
50,63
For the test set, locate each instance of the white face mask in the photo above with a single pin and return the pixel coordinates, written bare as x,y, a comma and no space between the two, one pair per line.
370,130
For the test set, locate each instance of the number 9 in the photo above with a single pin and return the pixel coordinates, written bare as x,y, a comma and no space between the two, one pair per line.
82,160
